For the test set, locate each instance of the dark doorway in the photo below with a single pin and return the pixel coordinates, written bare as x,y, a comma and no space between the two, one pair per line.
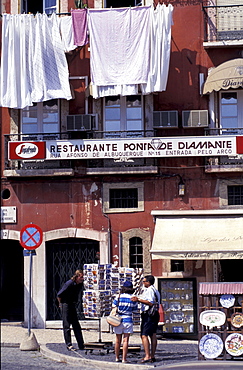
232,270
63,258
12,280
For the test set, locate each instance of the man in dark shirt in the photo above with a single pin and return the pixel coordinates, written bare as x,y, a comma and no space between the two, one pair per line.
67,298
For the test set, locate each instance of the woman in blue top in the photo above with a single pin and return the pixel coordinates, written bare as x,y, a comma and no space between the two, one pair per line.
125,309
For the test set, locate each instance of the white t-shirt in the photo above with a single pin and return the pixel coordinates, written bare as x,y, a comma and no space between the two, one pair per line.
149,295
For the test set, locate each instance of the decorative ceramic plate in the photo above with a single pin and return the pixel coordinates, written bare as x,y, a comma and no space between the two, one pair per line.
240,299
237,320
227,300
212,318
211,346
177,317
175,306
178,329
234,344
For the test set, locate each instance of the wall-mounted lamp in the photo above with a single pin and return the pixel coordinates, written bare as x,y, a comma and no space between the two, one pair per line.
181,187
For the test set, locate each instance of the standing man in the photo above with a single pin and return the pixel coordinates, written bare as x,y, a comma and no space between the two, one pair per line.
67,298
149,324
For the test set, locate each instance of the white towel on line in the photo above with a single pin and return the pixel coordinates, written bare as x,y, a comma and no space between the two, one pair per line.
66,31
119,45
159,35
33,63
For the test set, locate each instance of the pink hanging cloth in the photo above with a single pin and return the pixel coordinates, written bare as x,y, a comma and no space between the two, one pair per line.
80,28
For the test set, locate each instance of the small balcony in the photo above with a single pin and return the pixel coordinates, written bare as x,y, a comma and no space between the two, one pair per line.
223,25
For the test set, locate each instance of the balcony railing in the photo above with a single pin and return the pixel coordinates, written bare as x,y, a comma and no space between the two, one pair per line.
67,164
223,23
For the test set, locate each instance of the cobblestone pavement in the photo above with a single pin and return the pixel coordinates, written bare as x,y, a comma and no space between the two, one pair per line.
171,353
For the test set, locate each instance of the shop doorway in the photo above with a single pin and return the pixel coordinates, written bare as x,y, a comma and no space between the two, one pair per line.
231,270
63,257
12,281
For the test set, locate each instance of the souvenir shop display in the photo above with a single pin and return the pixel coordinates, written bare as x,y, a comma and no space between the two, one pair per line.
220,320
102,283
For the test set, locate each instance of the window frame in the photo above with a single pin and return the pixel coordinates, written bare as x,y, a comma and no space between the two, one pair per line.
123,130
239,107
125,185
24,7
223,193
136,245
40,122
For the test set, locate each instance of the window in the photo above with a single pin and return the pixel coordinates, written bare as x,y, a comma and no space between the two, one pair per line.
231,111
231,193
122,3
39,6
41,118
123,197
235,195
123,116
136,252
176,265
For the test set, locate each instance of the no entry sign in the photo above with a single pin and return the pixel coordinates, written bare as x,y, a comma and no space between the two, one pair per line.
31,236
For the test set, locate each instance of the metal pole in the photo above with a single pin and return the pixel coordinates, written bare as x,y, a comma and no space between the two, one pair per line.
30,288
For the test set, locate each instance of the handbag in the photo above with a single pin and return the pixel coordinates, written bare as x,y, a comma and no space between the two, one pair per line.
114,319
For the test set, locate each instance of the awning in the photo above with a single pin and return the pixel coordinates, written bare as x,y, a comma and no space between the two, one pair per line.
220,288
215,234
226,75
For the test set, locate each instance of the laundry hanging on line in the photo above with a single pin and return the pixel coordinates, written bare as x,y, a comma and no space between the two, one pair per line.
33,63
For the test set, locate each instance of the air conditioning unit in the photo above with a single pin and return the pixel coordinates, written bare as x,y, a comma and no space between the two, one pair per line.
195,118
82,122
165,118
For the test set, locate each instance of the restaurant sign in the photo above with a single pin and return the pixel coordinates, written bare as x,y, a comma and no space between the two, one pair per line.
137,147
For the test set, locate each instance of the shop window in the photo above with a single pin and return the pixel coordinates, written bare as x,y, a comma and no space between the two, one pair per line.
123,197
41,118
176,265
136,252
123,116
231,112
235,195
39,6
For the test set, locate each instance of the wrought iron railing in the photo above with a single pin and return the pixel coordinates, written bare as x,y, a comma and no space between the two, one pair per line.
72,135
223,23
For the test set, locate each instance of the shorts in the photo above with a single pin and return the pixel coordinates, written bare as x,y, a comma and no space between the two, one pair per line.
149,325
124,327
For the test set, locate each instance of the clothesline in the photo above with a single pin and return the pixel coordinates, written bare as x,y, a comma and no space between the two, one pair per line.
129,51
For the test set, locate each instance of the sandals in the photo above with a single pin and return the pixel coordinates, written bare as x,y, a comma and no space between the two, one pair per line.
143,361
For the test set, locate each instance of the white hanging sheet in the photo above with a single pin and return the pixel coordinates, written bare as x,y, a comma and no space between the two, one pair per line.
119,45
66,31
33,63
107,53
159,49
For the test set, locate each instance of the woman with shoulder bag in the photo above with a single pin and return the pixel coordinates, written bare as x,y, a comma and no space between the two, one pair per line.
125,309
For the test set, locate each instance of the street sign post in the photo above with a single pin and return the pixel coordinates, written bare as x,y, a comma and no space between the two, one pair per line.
31,237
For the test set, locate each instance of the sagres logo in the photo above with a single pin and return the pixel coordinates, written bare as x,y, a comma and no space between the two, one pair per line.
27,150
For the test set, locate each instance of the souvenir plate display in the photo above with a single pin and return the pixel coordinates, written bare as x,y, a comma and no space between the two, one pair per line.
227,300
234,344
177,299
237,320
211,346
212,318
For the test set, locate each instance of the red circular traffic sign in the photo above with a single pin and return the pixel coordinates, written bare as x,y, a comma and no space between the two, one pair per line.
31,236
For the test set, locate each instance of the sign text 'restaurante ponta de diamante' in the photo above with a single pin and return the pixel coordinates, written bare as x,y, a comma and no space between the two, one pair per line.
131,147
